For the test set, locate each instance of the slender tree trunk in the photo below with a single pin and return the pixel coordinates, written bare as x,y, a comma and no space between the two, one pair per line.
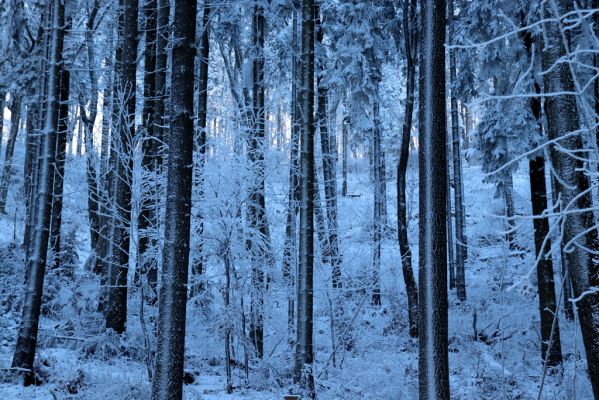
118,245
289,266
538,197
451,266
378,205
59,170
409,27
202,104
304,356
168,377
36,262
457,172
433,359
580,232
30,169
2,99
88,122
147,219
345,150
257,204
329,170
79,148
7,171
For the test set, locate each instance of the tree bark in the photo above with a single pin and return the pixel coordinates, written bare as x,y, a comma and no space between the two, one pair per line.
59,170
378,221
329,170
118,245
15,118
410,42
304,355
433,359
202,104
580,232
168,377
538,197
36,262
289,266
457,172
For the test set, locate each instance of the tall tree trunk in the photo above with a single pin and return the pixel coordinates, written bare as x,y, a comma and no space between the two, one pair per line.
88,122
580,233
108,165
410,42
147,219
433,359
378,203
457,171
538,198
289,266
36,262
202,104
257,205
118,246
168,377
329,170
304,356
61,152
15,118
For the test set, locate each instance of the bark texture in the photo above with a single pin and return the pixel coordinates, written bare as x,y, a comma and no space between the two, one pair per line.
168,376
432,301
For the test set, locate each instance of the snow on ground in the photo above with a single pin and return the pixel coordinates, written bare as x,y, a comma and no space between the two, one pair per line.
80,361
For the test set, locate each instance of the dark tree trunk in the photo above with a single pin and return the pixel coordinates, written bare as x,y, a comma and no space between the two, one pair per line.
30,169
118,245
289,266
378,203
460,248
59,170
202,104
36,262
88,122
345,150
409,29
580,232
329,170
304,356
168,377
550,333
432,323
257,205
147,219
7,170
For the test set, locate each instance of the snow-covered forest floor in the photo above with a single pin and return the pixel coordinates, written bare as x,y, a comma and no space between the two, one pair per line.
78,360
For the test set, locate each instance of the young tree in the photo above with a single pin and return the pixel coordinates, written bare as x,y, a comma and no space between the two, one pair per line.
329,156
304,355
580,232
36,262
410,29
432,300
7,169
168,374
147,219
457,170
